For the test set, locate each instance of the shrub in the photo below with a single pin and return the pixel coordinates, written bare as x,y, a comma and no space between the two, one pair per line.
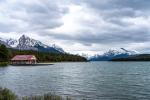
3,64
46,97
6,94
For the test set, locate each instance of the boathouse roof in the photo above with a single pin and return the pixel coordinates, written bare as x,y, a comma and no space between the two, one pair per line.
24,57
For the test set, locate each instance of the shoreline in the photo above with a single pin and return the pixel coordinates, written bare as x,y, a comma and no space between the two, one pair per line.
38,64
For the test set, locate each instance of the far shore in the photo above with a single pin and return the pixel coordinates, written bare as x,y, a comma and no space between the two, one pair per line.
37,64
3,64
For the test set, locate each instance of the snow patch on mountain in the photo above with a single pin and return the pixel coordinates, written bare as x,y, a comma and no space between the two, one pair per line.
120,53
4,42
27,43
58,48
12,42
133,52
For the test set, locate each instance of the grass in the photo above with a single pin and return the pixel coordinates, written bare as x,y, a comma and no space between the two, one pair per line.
46,97
3,64
6,94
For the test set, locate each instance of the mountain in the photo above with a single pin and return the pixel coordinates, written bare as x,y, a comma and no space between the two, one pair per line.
138,57
58,48
11,42
112,54
27,43
6,42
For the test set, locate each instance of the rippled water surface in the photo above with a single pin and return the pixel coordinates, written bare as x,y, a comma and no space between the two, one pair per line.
91,80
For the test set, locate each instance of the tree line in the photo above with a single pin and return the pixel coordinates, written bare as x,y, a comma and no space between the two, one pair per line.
138,57
6,54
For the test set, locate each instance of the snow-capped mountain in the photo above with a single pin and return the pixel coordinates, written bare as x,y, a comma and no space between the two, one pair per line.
58,48
111,54
4,43
133,52
7,42
11,42
27,43
119,51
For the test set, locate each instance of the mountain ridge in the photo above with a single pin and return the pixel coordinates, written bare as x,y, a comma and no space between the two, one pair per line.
112,54
27,43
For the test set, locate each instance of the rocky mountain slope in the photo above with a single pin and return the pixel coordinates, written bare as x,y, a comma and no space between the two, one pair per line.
27,43
111,54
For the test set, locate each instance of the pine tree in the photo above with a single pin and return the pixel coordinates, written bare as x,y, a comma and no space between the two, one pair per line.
4,53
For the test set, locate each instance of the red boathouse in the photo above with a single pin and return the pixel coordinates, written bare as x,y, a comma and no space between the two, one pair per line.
24,59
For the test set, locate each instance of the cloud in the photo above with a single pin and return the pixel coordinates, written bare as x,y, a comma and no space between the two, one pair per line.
83,24
31,15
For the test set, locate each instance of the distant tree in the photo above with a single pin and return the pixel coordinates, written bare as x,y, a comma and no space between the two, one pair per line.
49,56
4,53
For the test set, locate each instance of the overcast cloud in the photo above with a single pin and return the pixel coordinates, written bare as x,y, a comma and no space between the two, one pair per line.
79,26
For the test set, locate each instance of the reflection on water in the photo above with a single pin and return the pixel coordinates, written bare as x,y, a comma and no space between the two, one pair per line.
92,80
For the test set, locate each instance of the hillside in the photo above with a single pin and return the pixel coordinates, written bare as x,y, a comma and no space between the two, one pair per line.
49,56
139,57
6,55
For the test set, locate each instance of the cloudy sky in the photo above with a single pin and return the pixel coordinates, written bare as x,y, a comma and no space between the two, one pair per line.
79,26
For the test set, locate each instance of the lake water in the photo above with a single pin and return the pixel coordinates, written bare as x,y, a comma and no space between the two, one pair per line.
91,80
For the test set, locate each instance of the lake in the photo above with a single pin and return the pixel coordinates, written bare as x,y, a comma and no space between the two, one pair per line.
87,80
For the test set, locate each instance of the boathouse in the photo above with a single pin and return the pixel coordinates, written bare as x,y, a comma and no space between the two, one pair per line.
24,59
